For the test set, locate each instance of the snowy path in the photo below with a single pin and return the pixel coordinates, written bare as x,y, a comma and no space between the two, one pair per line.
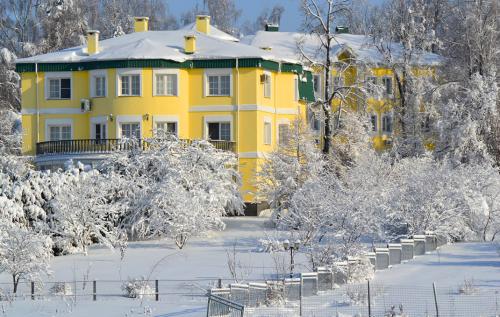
204,259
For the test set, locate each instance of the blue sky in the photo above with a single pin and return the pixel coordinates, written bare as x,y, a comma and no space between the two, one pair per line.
250,10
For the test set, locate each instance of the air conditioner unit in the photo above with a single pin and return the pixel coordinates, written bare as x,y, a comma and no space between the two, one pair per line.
85,105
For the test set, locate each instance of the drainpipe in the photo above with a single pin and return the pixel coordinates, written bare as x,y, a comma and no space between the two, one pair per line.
238,111
37,106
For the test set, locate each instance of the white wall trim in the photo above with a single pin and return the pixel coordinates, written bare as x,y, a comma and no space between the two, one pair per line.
167,118
251,155
215,108
270,122
217,71
57,75
220,108
166,71
30,111
211,118
98,120
58,122
127,71
127,119
98,73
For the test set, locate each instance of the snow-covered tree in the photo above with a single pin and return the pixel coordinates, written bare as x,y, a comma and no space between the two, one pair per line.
10,98
176,190
10,132
318,21
85,212
288,167
267,15
24,254
224,14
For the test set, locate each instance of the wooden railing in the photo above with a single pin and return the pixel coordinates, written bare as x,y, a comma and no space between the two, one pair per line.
93,146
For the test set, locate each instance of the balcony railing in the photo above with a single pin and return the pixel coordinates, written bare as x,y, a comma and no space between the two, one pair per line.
93,146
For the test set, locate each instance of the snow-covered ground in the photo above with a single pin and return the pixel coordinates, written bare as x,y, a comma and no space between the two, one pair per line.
204,260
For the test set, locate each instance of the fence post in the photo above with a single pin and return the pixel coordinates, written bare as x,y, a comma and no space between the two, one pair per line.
94,293
369,301
300,295
33,290
435,298
157,293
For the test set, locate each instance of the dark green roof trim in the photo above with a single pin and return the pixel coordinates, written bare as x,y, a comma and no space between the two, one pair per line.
306,88
158,63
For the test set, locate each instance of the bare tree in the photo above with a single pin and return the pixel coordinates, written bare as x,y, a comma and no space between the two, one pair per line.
224,14
319,22
267,16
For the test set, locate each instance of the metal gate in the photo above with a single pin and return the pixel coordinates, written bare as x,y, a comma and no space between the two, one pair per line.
220,306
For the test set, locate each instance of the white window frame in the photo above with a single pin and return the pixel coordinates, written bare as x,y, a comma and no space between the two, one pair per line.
220,119
318,91
128,72
98,120
127,119
57,75
167,119
166,72
296,87
267,85
217,72
371,86
376,128
278,123
268,134
58,123
93,75
385,87
387,114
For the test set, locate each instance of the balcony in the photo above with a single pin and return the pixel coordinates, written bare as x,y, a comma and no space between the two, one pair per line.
93,146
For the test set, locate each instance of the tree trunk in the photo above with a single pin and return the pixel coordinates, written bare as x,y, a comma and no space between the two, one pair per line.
15,281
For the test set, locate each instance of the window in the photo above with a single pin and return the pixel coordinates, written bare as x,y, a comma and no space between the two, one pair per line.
387,82
387,123
166,85
267,132
100,131
371,85
296,87
131,130
338,82
284,134
62,132
314,120
317,84
219,85
426,122
130,85
59,88
374,121
267,85
167,127
219,131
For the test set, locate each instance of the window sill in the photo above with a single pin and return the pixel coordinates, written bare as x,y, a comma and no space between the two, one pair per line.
58,99
129,96
157,95
218,96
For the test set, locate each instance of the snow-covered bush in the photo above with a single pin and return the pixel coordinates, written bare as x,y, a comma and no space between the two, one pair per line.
468,287
360,271
176,190
138,288
61,289
24,254
357,294
85,212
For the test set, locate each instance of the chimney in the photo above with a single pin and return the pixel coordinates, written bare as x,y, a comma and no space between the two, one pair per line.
141,24
203,24
189,44
271,27
92,42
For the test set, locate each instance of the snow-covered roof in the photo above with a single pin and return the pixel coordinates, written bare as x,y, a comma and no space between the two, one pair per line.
360,45
167,45
213,31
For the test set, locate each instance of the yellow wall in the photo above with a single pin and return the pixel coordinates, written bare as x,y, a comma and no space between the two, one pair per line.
247,92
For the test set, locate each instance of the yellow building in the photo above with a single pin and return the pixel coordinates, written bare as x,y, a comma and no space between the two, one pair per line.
197,82
359,73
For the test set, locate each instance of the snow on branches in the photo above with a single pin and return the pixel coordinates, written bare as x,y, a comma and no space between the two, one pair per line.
176,190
